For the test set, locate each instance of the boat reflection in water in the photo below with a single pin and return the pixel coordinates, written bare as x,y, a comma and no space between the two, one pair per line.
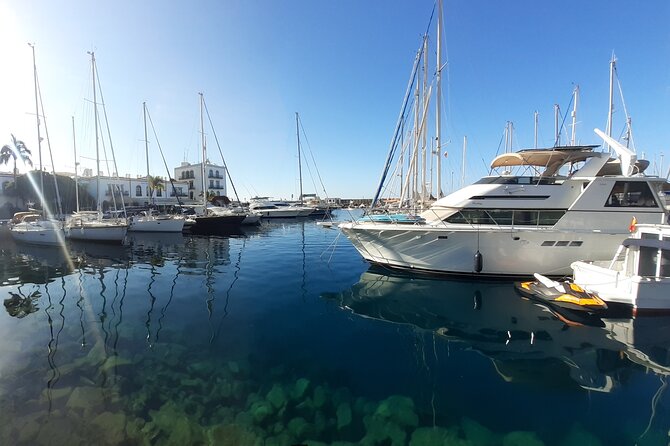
521,337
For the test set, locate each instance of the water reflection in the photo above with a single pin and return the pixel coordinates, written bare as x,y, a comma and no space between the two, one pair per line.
523,339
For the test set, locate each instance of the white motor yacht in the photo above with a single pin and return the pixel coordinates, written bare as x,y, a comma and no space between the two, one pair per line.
638,276
278,209
572,203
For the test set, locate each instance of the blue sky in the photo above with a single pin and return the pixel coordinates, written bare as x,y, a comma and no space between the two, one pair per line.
343,65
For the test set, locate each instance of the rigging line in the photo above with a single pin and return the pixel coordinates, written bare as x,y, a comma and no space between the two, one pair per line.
497,152
565,116
174,189
623,103
223,160
394,140
109,136
311,153
59,205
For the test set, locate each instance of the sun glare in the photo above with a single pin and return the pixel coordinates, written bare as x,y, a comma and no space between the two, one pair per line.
17,115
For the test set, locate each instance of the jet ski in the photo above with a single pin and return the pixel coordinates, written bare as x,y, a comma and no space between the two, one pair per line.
566,295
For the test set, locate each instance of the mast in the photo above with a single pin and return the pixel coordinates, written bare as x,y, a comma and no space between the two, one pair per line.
97,145
297,132
76,184
465,146
573,138
610,112
39,136
424,133
557,131
146,146
204,154
438,101
536,120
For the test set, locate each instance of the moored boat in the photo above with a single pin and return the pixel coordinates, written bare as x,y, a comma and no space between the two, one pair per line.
638,275
563,294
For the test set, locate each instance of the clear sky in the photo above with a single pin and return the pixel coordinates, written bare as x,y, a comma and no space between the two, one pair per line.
343,65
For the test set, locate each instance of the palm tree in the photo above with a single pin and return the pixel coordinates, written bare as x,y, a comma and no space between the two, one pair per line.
155,183
19,150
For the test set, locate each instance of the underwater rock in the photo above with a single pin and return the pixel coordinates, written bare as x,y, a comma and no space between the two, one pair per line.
56,394
343,414
299,428
114,362
232,435
398,409
578,436
87,399
382,432
521,438
319,397
58,431
260,411
202,368
173,423
478,434
434,436
111,426
277,396
234,367
283,439
299,389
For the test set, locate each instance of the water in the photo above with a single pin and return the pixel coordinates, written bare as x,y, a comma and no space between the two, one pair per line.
283,335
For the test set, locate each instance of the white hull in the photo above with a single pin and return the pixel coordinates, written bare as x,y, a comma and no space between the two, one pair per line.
505,252
282,213
613,286
39,233
151,224
97,232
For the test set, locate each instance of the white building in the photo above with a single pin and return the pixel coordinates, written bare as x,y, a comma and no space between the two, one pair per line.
215,179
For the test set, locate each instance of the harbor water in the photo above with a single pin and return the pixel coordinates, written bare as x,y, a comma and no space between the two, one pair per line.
283,335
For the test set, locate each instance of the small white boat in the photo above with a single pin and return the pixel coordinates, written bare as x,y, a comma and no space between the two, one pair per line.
638,276
30,227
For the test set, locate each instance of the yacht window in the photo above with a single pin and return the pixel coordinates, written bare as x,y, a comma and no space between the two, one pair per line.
665,263
518,217
631,194
647,261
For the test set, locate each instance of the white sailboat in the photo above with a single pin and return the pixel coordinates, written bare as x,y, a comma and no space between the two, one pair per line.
210,223
34,227
152,221
90,225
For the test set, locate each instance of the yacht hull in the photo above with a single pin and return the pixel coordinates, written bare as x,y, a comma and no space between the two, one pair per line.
156,225
503,252
217,224
97,232
38,233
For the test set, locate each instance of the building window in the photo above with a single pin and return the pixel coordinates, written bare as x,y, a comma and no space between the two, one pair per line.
211,184
211,173
138,191
217,183
159,192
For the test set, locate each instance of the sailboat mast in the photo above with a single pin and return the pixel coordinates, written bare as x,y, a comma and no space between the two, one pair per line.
39,136
146,146
76,184
573,138
438,101
536,114
97,145
204,154
610,112
557,130
465,147
297,132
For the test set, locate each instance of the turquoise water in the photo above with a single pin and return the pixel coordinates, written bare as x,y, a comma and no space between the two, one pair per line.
284,335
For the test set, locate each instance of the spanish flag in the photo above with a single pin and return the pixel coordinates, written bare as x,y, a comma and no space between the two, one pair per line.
633,224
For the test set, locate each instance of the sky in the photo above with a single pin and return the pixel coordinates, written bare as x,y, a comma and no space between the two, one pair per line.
342,65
